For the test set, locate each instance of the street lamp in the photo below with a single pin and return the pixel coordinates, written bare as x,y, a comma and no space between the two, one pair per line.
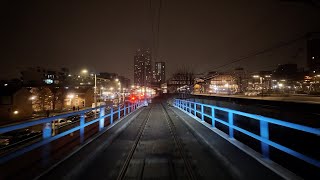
84,71
33,98
119,83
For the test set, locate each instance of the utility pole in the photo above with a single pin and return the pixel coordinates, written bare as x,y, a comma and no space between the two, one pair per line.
95,90
145,80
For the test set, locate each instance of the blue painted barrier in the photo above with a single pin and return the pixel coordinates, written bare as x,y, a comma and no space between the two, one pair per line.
264,127
47,136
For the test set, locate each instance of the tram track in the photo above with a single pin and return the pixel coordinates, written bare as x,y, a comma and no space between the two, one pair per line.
134,147
181,153
179,144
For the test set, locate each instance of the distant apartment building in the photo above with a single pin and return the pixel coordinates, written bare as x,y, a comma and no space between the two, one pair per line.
125,82
180,82
160,72
142,67
313,51
37,76
107,75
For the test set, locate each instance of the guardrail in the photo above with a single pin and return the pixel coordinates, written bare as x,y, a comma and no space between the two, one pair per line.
47,136
191,108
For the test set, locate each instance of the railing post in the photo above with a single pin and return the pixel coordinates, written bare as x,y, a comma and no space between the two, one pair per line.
186,106
101,120
183,105
190,111
124,109
82,120
111,115
213,116
195,108
230,118
129,107
119,112
202,111
264,133
47,130
46,133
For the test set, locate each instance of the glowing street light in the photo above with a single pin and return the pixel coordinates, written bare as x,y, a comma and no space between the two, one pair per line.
70,96
85,71
15,112
33,97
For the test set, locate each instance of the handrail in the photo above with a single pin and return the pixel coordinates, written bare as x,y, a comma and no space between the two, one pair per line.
190,108
47,136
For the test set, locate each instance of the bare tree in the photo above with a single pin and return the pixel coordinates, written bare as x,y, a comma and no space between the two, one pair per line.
58,95
43,98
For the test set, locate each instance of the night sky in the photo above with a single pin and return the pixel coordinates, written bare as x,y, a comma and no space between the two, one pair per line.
102,35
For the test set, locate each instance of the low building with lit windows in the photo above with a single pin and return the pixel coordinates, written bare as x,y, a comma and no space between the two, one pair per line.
15,103
223,84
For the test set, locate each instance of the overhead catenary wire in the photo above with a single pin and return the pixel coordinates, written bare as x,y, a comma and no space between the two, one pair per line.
155,27
158,31
263,51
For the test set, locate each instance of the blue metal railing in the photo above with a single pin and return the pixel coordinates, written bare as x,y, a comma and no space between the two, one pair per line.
47,136
191,108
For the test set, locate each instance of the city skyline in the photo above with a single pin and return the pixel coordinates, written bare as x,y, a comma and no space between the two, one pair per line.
31,37
132,89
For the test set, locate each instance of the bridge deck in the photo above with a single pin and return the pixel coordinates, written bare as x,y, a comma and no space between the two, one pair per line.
158,144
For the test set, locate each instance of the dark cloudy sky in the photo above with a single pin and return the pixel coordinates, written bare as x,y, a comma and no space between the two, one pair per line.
102,35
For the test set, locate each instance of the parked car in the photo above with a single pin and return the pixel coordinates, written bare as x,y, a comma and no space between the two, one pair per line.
251,93
5,140
62,121
89,114
17,136
73,118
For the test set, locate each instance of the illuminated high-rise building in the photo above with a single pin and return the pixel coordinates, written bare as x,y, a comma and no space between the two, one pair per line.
160,72
142,67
